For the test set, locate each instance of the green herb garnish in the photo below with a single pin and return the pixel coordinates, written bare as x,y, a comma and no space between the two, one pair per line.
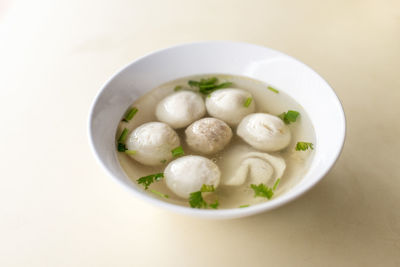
244,206
177,88
209,89
146,181
289,117
129,114
212,80
262,190
194,83
303,146
215,204
196,200
204,82
163,161
207,188
207,86
159,193
130,152
247,102
177,152
273,89
276,184
121,147
123,136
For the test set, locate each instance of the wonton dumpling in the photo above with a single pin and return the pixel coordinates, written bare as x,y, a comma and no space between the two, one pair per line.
264,132
208,135
229,105
242,164
153,142
187,174
180,109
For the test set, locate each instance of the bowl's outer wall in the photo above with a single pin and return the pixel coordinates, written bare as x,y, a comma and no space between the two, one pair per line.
261,63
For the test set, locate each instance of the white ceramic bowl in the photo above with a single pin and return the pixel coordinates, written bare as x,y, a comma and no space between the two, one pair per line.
260,63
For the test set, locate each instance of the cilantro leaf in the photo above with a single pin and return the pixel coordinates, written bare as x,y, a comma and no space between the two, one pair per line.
303,146
196,200
146,181
215,204
262,190
289,117
207,188
177,152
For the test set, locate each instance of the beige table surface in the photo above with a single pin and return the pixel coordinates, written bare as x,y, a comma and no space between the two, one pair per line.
58,208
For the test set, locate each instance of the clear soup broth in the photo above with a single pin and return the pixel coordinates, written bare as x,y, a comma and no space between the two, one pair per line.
267,100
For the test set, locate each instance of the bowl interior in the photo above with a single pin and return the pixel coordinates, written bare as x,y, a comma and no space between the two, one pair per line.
261,63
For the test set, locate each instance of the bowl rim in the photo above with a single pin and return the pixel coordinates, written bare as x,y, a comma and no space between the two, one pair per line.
223,213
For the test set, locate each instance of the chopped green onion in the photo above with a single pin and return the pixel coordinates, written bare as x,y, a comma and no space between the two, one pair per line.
193,83
163,161
207,86
223,85
121,147
273,89
177,88
123,135
247,102
146,181
289,117
244,206
211,88
177,152
129,114
130,152
303,146
276,184
159,193
207,188
212,80
215,204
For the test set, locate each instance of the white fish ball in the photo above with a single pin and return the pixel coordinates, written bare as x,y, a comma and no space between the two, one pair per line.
187,174
229,105
208,135
180,109
153,142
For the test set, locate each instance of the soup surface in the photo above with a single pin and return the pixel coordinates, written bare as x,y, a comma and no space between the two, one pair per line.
266,100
